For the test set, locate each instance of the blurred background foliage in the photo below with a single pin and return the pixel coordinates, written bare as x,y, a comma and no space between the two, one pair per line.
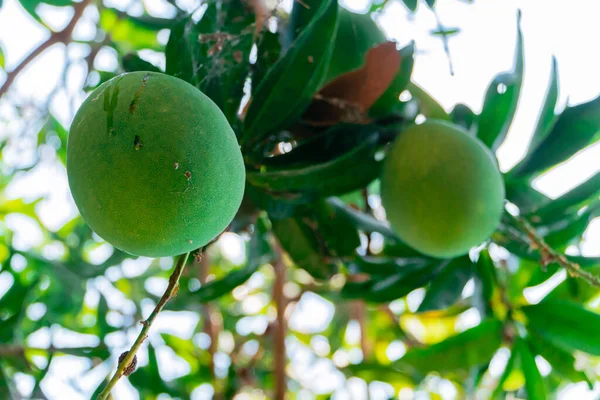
309,258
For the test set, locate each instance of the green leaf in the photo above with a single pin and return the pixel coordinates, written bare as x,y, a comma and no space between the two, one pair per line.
128,33
390,97
305,246
463,116
510,364
376,372
547,117
362,221
338,231
565,324
411,4
486,282
288,87
521,193
562,362
222,58
268,51
445,31
534,383
352,170
132,62
258,253
459,353
102,324
576,128
428,106
447,287
430,3
385,266
382,289
501,99
571,201
574,229
179,50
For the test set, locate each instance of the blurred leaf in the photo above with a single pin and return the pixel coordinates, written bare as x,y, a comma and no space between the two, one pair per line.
574,229
288,87
565,324
376,372
362,221
305,246
430,3
132,62
459,353
31,5
562,362
390,97
128,33
381,288
463,116
521,193
486,283
508,369
428,106
103,327
337,229
501,99
570,201
534,383
445,31
258,253
574,129
411,4
385,266
447,287
2,61
268,51
348,172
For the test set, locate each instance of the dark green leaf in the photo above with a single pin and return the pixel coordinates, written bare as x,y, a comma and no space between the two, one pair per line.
268,51
501,100
385,266
303,242
288,87
562,362
390,97
131,62
338,230
459,353
178,52
103,327
352,170
486,282
381,289
430,3
463,116
571,201
521,193
302,14
576,128
534,383
566,324
447,287
573,230
362,221
411,4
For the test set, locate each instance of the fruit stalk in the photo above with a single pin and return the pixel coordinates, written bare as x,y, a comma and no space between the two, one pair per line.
171,291
549,255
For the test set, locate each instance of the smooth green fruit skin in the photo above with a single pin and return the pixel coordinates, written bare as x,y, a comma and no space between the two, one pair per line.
153,165
441,189
356,34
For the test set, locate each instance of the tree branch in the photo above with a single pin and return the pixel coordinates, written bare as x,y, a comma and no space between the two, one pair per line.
549,255
63,36
171,291
209,325
280,328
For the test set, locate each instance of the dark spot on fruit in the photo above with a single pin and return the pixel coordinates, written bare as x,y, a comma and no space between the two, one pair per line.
137,143
188,175
311,59
136,96
110,103
176,165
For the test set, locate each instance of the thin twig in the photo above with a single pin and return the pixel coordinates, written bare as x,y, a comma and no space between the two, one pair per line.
549,255
444,41
16,350
63,36
280,331
171,291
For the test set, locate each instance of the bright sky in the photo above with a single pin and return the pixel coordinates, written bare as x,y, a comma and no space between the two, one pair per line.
564,28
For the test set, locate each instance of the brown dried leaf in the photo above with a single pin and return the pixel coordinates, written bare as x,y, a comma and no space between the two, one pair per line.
348,97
